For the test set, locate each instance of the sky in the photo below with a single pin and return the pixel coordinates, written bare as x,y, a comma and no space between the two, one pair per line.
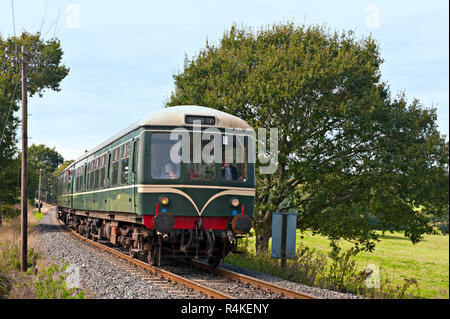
122,55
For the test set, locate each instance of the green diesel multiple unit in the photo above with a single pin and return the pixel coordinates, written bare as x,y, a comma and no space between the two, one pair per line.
179,183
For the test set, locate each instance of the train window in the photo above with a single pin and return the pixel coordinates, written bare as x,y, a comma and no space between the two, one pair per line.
103,171
75,188
89,174
85,175
161,165
63,186
234,155
97,172
201,171
69,180
115,167
124,166
77,179
108,172
92,181
135,156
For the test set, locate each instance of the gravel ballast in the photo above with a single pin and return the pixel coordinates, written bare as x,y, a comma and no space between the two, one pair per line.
99,273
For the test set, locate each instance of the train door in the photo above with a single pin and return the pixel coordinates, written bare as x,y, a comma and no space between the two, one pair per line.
108,180
71,183
133,171
84,187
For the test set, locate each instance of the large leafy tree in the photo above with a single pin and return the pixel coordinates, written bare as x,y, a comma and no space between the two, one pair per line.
45,71
42,160
352,159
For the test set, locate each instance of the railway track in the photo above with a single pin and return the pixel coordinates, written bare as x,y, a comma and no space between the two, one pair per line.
217,283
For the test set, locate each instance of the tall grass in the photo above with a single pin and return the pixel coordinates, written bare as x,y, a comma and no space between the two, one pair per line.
337,271
44,282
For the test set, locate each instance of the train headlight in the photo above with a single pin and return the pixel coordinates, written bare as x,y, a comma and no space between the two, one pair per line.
164,200
234,202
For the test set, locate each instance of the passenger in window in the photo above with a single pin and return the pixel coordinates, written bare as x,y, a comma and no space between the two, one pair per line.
169,170
229,172
191,174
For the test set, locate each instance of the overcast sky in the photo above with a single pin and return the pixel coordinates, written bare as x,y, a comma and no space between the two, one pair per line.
122,54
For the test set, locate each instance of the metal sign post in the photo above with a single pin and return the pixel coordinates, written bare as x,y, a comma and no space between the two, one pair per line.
283,236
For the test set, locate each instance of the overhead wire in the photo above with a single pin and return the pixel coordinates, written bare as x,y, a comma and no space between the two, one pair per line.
55,23
17,81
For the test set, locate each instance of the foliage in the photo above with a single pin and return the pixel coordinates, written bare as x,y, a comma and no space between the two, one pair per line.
10,257
44,68
337,271
38,215
9,182
343,275
9,211
5,286
47,283
441,223
50,284
41,157
351,158
398,258
45,71
62,167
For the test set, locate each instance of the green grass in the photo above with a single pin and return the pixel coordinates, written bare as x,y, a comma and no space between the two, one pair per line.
38,215
398,259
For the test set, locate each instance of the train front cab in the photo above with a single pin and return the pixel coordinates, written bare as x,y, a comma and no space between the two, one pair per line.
212,201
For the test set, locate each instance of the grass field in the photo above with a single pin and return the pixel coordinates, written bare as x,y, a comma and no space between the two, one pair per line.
427,262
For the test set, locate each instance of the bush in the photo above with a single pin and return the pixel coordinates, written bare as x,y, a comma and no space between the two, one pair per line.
50,284
308,267
10,257
5,286
343,274
9,211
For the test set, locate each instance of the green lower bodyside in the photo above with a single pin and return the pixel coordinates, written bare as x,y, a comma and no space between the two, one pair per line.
181,201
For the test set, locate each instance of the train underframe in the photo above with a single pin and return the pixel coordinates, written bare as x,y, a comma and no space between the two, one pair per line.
195,243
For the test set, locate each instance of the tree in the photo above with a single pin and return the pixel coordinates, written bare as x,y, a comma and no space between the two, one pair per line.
44,72
44,159
62,167
53,178
349,153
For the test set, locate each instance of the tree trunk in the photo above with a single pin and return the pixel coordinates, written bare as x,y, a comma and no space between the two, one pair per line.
1,212
263,232
262,242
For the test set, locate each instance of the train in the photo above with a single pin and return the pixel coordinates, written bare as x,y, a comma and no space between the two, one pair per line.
148,190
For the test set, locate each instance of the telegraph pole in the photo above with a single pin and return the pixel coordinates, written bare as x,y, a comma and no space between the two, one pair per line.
25,58
24,175
39,196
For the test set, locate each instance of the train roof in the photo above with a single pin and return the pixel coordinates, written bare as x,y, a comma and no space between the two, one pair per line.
174,116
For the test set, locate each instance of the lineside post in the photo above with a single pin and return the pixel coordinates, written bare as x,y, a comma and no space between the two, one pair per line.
24,175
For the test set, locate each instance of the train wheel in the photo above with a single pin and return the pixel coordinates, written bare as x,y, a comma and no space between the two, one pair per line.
151,256
131,252
213,261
